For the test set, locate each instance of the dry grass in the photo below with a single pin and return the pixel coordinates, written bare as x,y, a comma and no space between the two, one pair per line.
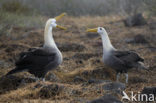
70,68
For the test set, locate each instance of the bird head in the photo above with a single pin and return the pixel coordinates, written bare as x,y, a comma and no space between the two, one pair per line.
54,20
99,30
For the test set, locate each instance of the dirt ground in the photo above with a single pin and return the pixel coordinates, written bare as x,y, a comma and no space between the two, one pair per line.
82,53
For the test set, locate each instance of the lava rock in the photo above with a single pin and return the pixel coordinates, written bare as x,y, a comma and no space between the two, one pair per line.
76,92
137,80
137,39
152,25
84,56
8,83
99,72
79,62
70,47
4,64
79,100
114,86
78,79
106,99
149,91
135,20
92,35
11,82
97,81
50,90
52,77
38,85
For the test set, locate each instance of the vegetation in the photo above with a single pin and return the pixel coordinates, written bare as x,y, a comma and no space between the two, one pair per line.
150,5
79,66
15,14
75,7
15,7
22,26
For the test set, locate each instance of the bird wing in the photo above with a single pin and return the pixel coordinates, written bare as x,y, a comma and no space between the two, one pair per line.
129,58
35,57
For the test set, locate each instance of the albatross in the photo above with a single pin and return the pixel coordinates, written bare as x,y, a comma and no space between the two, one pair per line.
118,60
38,61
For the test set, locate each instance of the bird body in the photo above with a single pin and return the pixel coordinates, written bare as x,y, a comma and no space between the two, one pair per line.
39,61
118,60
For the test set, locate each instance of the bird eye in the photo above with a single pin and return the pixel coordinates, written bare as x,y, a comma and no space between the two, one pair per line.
100,28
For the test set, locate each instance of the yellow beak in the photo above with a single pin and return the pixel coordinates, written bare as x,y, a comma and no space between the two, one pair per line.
92,30
58,26
60,16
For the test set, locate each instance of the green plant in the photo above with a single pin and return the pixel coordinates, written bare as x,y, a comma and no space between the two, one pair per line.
150,5
14,7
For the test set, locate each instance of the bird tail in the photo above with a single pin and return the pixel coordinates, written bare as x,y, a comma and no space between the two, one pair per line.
16,70
142,66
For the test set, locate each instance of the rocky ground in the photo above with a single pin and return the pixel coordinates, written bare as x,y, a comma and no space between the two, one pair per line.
82,77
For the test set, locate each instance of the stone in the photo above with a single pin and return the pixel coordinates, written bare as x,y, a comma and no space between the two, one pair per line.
78,79
49,91
107,98
135,20
137,39
65,47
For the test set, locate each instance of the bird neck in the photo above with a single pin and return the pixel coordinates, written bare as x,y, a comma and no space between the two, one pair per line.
107,46
48,37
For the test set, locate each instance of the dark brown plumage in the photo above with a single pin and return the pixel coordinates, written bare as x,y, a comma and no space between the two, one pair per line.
39,61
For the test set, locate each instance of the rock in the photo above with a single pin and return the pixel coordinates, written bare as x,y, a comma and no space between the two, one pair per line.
137,80
79,100
97,81
98,72
52,77
135,20
149,91
101,72
79,62
13,47
4,64
108,98
50,91
29,80
114,86
76,92
137,39
152,25
65,47
92,35
84,56
38,85
78,79
9,83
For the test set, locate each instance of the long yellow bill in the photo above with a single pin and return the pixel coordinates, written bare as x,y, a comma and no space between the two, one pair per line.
92,30
58,26
60,16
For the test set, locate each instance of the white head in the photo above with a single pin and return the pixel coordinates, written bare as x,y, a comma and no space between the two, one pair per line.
107,46
53,23
99,30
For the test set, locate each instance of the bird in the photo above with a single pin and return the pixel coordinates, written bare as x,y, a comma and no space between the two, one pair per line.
38,61
120,61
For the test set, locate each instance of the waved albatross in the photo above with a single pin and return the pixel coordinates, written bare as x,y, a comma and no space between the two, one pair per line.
118,60
39,61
